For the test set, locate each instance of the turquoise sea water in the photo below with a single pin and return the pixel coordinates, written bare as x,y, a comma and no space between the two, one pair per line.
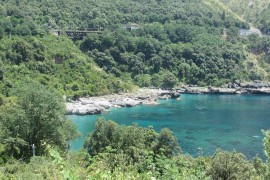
228,122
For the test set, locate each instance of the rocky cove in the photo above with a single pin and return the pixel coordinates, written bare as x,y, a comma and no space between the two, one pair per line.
97,105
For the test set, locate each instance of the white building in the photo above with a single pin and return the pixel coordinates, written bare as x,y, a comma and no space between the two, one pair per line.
131,27
247,32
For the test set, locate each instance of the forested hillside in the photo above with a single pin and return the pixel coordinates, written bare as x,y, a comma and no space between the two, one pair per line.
29,53
190,42
56,63
256,12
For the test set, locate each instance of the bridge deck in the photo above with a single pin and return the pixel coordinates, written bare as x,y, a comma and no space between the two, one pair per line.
76,33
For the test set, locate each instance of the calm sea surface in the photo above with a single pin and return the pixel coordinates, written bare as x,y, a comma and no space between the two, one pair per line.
228,122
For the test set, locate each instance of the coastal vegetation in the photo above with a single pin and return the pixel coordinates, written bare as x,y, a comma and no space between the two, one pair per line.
114,151
171,43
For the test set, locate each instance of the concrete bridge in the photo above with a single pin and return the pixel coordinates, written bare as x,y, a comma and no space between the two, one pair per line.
76,33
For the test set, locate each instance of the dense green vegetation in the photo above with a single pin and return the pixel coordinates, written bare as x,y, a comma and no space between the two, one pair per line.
177,42
192,42
55,63
184,44
35,115
187,54
254,11
260,47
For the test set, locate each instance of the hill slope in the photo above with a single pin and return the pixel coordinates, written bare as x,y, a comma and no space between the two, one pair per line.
194,42
56,63
256,12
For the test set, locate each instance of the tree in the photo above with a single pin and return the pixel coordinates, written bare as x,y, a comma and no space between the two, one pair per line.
23,30
184,70
266,143
35,116
1,74
102,137
143,80
3,11
231,165
90,43
169,79
167,144
155,63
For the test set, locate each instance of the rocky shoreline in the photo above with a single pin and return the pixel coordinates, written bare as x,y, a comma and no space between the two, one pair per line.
97,105
255,87
218,90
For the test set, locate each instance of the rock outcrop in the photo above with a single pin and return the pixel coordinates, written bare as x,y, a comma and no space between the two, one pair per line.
83,109
254,87
96,105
